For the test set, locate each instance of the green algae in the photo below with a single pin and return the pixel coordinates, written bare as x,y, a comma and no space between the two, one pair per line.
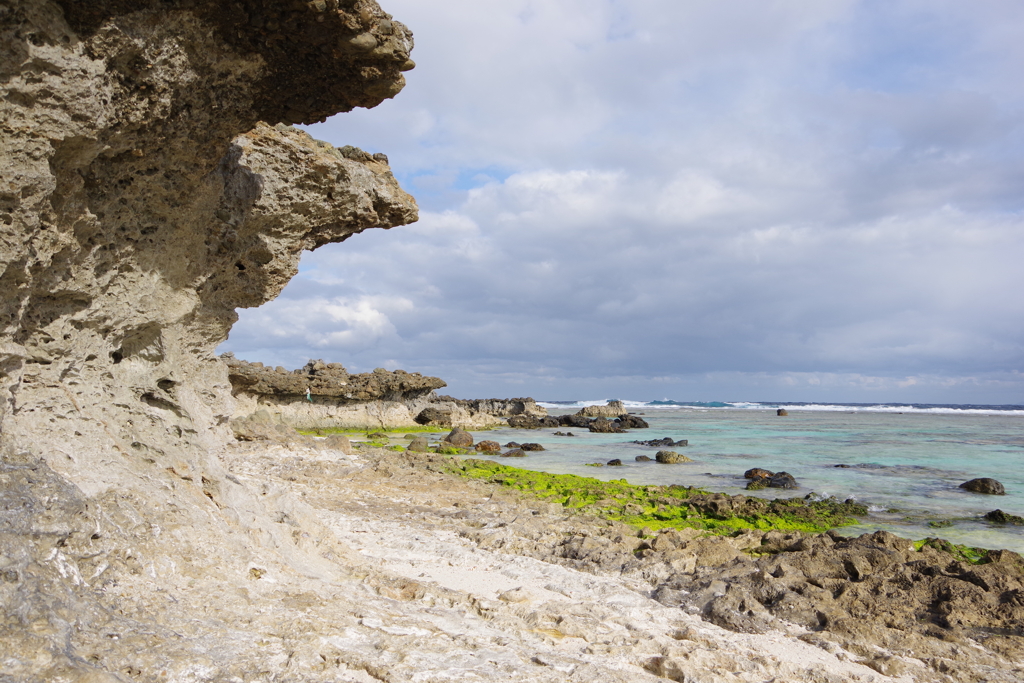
661,507
396,432
963,553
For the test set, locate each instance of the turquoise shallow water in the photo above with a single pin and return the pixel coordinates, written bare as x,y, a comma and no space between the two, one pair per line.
912,463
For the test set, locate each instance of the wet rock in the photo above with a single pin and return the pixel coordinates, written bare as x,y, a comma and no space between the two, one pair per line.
631,422
513,444
574,421
643,458
758,473
1000,517
670,457
459,438
489,447
667,442
984,485
615,462
783,480
603,426
782,412
514,453
532,447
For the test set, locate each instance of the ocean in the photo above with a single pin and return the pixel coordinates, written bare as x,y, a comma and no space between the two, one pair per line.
903,461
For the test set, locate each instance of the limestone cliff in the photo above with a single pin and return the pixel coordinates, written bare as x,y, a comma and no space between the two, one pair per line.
143,201
150,184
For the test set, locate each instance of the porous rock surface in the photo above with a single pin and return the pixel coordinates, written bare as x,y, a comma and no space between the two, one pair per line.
143,201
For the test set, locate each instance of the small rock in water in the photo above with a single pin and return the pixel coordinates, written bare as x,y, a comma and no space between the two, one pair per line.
670,457
532,447
489,447
667,442
514,453
1000,517
758,473
377,436
459,438
984,485
783,480
782,412
642,458
512,444
615,463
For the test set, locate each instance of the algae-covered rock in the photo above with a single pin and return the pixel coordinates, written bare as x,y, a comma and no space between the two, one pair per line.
670,457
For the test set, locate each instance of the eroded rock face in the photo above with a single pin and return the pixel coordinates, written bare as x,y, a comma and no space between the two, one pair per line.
143,202
148,188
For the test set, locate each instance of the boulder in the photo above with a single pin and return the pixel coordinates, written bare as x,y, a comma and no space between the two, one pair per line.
643,458
984,485
459,438
418,445
574,421
603,426
514,453
489,447
783,480
631,422
532,447
433,417
782,412
758,473
758,483
615,463
670,457
512,444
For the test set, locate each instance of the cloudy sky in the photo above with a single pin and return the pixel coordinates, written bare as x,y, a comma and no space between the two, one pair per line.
695,200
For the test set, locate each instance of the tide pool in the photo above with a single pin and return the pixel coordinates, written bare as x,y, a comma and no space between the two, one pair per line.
906,467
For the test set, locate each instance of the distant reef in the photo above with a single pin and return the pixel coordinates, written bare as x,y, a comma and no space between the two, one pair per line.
324,396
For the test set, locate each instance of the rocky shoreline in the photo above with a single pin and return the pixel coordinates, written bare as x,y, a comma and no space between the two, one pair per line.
384,566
